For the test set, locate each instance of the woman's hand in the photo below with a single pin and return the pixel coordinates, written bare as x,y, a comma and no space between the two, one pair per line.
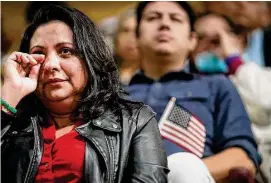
20,75
229,43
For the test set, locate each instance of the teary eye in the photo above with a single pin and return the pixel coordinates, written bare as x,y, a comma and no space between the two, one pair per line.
66,51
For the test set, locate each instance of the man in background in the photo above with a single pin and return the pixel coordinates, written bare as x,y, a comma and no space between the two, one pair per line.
166,38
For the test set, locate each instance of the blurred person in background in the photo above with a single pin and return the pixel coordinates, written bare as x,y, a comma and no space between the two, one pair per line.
6,43
220,50
252,19
108,27
69,120
125,46
166,38
207,56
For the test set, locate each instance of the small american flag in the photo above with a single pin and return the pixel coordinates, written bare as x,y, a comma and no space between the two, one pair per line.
179,126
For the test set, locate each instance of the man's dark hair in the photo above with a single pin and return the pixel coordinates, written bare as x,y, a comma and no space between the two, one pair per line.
142,5
102,91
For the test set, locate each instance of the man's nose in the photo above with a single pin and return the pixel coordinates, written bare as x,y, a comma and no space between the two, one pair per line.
165,23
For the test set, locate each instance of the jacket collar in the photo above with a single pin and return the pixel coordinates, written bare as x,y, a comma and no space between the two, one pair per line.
108,121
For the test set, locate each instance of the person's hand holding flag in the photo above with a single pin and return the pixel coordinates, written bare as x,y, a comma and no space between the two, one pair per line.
179,126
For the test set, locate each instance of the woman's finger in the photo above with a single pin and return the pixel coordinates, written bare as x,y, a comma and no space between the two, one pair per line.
38,57
32,60
17,57
25,61
34,72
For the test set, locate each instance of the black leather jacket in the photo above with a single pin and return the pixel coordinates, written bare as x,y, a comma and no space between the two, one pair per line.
117,151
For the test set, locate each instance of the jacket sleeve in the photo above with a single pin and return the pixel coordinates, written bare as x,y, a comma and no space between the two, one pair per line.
149,157
232,127
6,121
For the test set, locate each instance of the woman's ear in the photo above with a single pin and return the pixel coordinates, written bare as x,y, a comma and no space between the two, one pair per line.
193,41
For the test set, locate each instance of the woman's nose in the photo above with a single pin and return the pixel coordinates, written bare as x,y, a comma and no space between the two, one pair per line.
51,63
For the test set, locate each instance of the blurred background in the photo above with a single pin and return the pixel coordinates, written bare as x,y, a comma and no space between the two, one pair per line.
14,14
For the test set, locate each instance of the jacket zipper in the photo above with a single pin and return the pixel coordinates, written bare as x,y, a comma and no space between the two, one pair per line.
109,143
93,142
114,162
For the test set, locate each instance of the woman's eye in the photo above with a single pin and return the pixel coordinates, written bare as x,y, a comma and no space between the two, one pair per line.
66,51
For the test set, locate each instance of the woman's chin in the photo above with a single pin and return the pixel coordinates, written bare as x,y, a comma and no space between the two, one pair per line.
56,97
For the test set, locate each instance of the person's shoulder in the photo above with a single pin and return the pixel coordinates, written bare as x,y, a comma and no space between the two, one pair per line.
142,116
212,77
217,79
219,83
138,112
138,108
145,112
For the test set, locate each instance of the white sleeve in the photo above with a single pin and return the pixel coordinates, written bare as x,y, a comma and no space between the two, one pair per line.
257,81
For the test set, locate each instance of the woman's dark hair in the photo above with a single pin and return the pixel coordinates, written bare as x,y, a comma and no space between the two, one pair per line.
33,7
102,90
234,27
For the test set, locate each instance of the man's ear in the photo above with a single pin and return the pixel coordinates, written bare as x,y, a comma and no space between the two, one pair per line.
193,41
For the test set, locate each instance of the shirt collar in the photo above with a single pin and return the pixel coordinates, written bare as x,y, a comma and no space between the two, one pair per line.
141,78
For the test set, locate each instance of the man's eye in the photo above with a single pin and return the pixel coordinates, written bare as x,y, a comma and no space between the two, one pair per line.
178,20
151,18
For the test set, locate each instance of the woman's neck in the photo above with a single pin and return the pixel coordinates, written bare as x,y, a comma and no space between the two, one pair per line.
63,107
61,121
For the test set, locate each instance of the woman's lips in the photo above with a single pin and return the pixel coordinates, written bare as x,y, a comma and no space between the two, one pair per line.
55,81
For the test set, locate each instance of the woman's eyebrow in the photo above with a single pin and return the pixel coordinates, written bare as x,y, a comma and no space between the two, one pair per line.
57,45
61,43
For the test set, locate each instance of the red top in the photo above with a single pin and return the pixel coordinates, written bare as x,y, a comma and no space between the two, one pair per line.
63,158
